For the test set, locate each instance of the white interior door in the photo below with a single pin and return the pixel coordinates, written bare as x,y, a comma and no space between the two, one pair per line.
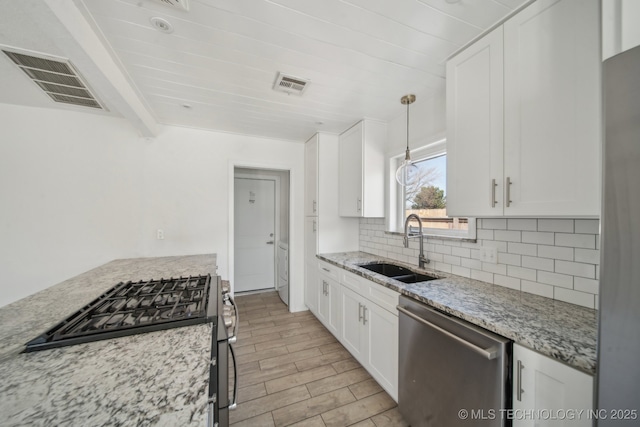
254,234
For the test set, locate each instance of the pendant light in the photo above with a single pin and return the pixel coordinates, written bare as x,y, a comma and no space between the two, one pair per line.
407,173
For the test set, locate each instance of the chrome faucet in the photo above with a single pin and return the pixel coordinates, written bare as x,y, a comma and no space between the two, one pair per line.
422,260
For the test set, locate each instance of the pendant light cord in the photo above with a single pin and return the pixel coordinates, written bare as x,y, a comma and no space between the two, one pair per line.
407,155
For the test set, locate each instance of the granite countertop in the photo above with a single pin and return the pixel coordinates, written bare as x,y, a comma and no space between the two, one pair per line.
560,330
156,378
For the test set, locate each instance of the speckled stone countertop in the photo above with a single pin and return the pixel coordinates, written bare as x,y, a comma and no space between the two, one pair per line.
557,329
151,379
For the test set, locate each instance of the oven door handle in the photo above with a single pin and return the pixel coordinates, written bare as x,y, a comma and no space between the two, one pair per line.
233,338
235,379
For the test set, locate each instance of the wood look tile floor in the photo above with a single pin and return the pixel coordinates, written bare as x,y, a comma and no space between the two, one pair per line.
293,372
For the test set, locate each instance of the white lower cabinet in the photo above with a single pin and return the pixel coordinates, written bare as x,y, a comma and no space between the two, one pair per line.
549,393
329,302
370,333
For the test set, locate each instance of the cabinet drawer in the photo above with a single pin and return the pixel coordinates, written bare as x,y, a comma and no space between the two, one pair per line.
384,297
354,282
329,270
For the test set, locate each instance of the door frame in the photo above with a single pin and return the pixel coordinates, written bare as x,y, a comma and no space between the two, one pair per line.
276,220
296,296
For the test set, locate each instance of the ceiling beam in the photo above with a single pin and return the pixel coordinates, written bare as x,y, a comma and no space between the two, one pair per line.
93,59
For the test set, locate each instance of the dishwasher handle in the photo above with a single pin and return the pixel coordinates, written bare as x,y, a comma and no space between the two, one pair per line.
490,353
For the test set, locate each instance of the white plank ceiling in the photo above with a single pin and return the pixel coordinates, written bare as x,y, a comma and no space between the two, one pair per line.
217,68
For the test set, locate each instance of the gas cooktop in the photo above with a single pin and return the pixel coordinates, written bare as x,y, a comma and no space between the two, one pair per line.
136,307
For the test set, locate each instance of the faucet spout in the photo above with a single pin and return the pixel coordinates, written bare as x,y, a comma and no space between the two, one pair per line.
422,260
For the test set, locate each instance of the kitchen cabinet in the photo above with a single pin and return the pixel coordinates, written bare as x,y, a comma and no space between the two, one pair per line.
311,176
370,332
524,121
361,170
325,230
329,304
620,30
475,128
311,269
544,384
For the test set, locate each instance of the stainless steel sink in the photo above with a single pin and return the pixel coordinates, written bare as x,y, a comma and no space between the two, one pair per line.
397,273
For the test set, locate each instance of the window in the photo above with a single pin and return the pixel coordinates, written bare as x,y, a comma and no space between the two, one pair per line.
427,198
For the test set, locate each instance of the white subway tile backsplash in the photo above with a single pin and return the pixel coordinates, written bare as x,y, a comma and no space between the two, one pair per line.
509,282
576,269
482,275
494,268
557,225
500,246
555,279
507,235
587,226
494,223
484,234
522,224
538,263
537,288
587,241
586,285
509,259
555,252
574,297
555,258
471,263
453,260
523,249
460,271
537,237
461,252
521,273
589,256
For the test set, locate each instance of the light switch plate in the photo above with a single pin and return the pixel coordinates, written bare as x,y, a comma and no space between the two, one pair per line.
489,254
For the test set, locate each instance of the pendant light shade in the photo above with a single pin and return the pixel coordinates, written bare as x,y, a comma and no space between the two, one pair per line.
407,173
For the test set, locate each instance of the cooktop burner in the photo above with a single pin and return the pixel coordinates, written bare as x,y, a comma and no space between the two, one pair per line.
132,308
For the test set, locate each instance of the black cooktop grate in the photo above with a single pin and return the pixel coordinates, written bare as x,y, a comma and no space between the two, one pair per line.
131,308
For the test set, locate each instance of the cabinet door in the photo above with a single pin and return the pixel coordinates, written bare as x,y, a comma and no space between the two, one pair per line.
323,299
353,336
311,177
350,171
475,128
552,109
382,335
311,263
551,386
334,318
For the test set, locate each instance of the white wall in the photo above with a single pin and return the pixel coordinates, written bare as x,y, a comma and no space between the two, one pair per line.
69,196
78,190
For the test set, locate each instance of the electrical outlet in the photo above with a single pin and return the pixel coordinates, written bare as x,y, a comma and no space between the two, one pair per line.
489,254
160,234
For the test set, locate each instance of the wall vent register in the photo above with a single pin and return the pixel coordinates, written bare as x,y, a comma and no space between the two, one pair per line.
57,78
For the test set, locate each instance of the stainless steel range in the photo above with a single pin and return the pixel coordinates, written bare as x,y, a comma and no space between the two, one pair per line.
152,305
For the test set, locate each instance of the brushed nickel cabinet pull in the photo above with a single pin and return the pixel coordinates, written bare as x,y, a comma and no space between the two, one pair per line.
507,202
519,389
494,184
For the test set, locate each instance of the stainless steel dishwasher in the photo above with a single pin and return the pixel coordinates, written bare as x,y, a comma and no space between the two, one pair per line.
451,373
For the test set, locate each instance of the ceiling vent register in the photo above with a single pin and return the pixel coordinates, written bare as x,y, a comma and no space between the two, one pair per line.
290,84
176,4
58,79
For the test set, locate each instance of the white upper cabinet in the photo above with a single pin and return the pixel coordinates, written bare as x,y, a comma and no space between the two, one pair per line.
475,128
552,109
537,154
620,29
311,176
361,170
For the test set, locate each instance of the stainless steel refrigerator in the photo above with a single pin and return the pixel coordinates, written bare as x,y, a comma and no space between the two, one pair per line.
618,374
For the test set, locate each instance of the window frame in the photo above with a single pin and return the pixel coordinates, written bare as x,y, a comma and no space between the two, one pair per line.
397,208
